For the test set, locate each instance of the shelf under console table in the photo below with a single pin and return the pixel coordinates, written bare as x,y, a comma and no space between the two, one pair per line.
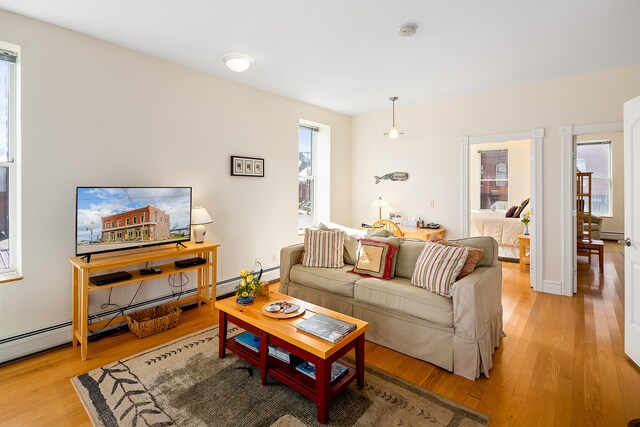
83,270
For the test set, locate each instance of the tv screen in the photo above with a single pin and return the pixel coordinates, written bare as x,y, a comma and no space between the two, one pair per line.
118,218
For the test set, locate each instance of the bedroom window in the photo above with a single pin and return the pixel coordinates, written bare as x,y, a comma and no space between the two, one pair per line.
494,179
595,156
306,176
9,238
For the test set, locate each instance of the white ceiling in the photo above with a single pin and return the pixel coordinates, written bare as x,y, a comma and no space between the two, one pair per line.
346,55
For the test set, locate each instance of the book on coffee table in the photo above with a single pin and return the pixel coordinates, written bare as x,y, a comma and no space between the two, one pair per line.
248,340
326,327
337,370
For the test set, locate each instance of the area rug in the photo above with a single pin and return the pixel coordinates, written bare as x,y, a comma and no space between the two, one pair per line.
184,383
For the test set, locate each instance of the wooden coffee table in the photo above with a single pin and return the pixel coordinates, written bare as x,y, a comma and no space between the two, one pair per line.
284,334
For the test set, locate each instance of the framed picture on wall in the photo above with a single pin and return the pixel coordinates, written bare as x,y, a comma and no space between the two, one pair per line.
247,166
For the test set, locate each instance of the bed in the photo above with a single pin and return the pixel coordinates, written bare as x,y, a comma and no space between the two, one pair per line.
504,230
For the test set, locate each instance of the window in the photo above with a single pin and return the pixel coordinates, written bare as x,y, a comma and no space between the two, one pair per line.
306,177
494,179
9,259
595,156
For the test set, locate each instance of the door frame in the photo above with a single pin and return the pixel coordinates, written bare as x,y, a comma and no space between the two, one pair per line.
536,137
569,239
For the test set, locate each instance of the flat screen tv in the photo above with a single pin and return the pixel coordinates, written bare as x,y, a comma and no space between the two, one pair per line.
118,218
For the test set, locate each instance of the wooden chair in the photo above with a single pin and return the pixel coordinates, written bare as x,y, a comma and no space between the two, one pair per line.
385,224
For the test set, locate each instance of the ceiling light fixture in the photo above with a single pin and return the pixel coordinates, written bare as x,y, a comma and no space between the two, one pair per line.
393,133
408,30
237,62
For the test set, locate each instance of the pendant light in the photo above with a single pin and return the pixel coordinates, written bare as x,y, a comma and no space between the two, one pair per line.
393,133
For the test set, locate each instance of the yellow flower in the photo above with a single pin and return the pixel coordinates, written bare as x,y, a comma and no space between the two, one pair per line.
527,213
252,287
244,273
245,294
249,279
243,283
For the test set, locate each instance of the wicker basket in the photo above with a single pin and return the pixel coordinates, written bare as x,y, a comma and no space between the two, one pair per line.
153,320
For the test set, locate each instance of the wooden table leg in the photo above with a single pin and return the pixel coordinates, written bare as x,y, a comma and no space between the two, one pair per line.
222,329
263,356
360,361
601,258
74,309
323,389
84,313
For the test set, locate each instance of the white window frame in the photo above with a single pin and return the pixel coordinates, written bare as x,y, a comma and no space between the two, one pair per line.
12,165
496,180
313,177
609,179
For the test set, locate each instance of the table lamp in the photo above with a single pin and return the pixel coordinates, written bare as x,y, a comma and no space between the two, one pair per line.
380,203
199,217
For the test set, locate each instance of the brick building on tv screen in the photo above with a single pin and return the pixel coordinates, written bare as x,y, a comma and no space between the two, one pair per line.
148,223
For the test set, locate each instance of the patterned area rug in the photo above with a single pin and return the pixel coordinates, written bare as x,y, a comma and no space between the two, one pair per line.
185,383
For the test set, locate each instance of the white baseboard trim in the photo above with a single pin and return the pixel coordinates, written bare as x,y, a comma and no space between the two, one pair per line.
552,287
34,344
611,235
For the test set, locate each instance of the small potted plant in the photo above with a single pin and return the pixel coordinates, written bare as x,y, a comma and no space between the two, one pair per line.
526,218
249,287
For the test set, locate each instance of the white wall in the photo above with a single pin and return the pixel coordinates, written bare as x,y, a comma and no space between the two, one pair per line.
430,151
614,223
519,170
91,110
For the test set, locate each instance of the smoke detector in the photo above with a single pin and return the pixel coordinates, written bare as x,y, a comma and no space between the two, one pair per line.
407,30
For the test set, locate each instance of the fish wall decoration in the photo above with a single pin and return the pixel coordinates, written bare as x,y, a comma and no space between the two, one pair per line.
393,176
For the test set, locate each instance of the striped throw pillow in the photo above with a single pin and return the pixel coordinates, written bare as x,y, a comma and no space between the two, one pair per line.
438,266
323,248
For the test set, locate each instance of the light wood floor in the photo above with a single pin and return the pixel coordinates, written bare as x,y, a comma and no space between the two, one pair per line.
562,362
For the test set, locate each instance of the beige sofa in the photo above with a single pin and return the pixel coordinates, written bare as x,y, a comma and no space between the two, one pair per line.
458,334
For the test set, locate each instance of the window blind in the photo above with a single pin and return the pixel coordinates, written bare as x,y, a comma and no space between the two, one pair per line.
8,56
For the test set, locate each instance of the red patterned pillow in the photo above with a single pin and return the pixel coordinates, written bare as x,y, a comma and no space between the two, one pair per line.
374,259
438,266
323,248
472,259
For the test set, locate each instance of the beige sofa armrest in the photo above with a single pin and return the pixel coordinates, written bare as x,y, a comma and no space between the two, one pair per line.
477,320
289,256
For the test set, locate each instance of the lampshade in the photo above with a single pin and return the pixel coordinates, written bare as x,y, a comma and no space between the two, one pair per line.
199,215
237,62
380,203
393,133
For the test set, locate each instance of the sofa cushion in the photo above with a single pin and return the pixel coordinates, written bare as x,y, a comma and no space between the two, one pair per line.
335,280
351,236
472,259
490,246
375,259
438,266
408,254
323,248
511,211
400,296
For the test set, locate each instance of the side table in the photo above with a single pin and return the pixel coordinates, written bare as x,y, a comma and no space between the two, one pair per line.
524,242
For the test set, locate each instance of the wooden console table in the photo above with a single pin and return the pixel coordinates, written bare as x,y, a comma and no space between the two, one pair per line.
524,241
421,233
82,288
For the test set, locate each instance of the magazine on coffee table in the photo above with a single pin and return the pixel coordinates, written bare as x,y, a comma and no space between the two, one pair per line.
326,327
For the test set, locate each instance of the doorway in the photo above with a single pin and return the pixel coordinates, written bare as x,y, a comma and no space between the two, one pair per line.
490,194
610,203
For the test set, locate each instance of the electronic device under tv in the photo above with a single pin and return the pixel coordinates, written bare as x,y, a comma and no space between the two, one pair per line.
120,218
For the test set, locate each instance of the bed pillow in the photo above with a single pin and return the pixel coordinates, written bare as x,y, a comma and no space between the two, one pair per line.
472,259
511,211
438,266
323,248
374,258
518,211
